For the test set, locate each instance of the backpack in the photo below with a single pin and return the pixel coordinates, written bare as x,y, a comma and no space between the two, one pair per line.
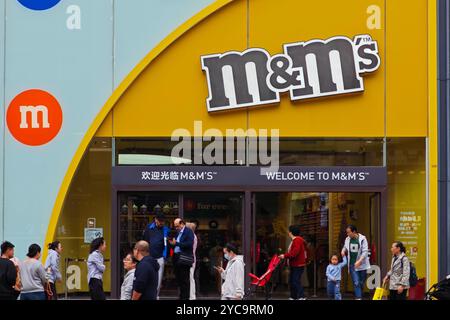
412,274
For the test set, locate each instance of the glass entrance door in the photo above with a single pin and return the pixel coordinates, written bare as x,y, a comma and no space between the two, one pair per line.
322,218
218,216
136,211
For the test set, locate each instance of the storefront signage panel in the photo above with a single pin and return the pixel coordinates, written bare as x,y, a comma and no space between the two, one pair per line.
248,176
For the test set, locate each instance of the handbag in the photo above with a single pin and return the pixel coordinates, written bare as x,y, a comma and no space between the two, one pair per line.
185,260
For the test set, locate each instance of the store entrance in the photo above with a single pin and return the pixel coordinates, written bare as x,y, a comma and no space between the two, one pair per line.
217,216
322,217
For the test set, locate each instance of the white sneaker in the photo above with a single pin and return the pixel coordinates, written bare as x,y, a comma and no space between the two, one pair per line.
301,299
291,299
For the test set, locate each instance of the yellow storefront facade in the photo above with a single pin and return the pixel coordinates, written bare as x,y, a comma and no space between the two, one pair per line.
390,123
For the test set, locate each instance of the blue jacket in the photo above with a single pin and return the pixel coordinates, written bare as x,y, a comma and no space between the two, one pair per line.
333,272
186,241
157,238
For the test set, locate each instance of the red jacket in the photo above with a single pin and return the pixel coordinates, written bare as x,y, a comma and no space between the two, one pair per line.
296,253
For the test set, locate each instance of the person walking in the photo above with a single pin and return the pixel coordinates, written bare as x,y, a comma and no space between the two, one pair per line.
356,248
192,294
96,268
129,264
398,275
8,272
156,234
334,276
145,286
297,261
52,267
183,258
233,275
33,276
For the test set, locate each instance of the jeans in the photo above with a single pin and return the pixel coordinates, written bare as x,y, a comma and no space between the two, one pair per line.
334,290
33,296
358,279
295,278
161,263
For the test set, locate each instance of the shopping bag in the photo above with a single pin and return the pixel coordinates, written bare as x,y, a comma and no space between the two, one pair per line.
380,292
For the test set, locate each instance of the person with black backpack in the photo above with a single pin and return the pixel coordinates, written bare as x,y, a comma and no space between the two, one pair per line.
399,274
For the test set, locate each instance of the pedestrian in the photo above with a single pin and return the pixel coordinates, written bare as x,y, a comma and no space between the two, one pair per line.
399,273
334,276
129,264
52,268
233,275
183,258
145,285
297,260
32,273
192,295
8,272
18,285
156,234
356,249
96,268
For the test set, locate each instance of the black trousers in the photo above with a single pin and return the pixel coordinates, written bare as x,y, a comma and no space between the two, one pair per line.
394,295
54,295
96,289
182,275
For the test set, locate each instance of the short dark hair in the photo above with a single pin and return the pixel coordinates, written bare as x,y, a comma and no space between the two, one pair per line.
33,250
160,217
334,255
6,246
400,245
53,245
96,243
295,230
352,228
232,247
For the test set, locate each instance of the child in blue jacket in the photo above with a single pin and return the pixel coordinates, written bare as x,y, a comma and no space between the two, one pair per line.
334,277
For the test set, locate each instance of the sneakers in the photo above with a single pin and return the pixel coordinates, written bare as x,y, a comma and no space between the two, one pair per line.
297,299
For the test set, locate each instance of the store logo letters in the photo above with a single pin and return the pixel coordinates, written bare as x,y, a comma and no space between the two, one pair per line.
34,117
311,69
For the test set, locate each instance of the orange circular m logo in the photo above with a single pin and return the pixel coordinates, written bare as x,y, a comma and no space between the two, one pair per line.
34,117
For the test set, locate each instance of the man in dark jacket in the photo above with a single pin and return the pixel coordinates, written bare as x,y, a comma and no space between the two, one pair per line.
156,234
146,275
183,252
8,272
